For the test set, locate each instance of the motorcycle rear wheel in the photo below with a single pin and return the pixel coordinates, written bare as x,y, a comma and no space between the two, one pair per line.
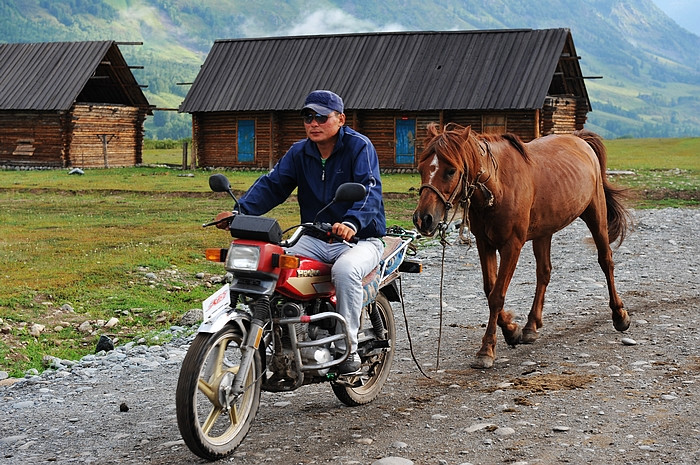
375,367
212,425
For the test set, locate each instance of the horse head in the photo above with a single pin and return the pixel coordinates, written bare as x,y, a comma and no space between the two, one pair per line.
444,170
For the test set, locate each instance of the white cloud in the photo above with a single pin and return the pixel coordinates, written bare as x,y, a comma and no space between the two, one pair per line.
336,22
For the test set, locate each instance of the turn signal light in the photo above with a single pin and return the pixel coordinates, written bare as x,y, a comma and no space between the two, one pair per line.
289,262
216,255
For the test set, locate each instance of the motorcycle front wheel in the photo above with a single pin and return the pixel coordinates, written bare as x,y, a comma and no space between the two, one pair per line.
365,386
212,421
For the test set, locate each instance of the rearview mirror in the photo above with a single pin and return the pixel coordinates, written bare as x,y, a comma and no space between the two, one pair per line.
350,192
219,183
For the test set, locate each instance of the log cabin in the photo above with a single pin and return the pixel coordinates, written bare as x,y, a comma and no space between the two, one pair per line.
69,104
245,101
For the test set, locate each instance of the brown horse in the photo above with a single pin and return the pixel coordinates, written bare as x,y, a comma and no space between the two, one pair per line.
513,192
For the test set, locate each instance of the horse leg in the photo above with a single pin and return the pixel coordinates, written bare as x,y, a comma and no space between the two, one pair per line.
597,224
542,249
496,299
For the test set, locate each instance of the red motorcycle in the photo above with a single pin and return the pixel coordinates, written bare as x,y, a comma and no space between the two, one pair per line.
274,328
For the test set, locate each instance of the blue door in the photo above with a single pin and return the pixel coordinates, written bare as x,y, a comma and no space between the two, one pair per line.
405,141
246,140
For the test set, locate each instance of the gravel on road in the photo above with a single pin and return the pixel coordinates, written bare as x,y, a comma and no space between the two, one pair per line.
583,393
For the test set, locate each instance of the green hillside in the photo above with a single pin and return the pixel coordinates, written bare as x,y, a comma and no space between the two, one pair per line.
650,66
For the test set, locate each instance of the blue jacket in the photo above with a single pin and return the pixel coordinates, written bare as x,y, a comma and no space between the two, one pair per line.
353,159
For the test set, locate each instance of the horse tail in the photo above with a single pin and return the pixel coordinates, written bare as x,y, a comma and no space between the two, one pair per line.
619,218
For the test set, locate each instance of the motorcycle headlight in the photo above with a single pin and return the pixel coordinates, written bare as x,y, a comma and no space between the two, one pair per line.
242,257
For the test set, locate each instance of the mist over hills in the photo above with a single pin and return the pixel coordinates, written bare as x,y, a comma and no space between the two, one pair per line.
650,66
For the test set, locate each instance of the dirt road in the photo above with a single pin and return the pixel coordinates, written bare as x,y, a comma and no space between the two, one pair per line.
583,393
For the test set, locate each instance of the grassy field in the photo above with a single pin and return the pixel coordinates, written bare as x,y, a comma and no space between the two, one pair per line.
127,243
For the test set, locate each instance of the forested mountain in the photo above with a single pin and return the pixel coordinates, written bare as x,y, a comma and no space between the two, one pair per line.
650,66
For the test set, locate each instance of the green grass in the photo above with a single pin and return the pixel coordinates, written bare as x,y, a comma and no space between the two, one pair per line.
666,171
91,241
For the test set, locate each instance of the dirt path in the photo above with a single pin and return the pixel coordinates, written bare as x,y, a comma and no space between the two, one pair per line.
578,395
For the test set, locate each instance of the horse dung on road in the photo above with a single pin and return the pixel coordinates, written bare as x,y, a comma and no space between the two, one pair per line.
512,192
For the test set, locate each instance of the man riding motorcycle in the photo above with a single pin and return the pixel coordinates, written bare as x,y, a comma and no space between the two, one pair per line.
331,155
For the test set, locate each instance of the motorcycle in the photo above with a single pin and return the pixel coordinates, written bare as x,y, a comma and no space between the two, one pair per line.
274,327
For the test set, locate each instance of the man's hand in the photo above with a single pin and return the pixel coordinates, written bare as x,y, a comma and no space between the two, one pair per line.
344,231
222,216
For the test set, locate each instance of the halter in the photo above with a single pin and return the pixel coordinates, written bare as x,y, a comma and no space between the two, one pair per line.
467,190
449,202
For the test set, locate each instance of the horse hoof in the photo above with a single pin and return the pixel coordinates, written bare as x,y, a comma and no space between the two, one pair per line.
514,338
529,336
482,361
622,323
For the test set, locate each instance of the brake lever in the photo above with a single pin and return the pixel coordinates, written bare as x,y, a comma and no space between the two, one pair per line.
214,223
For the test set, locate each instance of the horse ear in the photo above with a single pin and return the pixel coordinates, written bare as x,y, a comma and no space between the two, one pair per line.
466,132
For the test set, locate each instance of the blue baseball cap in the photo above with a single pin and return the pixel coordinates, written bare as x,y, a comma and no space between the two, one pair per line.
323,102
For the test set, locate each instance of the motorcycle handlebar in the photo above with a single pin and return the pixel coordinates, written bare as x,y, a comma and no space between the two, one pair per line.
322,231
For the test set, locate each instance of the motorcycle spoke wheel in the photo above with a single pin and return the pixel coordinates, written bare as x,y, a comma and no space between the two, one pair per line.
212,422
375,367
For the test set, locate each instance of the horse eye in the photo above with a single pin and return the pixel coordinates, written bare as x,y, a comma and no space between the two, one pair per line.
449,172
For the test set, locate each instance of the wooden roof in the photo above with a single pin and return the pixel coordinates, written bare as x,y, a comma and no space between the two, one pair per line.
408,71
55,75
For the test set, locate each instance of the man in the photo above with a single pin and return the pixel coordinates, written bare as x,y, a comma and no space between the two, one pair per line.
331,154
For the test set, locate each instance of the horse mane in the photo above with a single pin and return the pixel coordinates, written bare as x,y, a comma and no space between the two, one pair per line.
454,138
449,143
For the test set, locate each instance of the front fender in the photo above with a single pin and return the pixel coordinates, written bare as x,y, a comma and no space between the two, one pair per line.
227,314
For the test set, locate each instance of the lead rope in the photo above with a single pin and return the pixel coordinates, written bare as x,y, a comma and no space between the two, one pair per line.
443,241
408,333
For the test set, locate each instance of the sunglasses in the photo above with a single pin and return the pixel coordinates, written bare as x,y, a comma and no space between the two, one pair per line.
320,119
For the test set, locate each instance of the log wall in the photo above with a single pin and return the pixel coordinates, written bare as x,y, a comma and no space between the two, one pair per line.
215,137
65,139
31,139
121,127
563,115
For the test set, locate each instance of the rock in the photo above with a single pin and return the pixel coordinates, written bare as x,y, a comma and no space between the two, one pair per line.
85,327
112,322
36,329
504,431
191,317
123,407
479,426
628,341
23,404
104,343
393,461
76,171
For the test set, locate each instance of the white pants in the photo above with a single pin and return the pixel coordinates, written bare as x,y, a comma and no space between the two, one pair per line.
349,266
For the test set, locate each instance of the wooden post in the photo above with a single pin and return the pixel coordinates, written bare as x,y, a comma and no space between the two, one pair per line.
105,141
184,155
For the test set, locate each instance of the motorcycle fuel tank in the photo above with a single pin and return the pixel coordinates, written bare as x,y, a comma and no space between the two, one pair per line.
312,279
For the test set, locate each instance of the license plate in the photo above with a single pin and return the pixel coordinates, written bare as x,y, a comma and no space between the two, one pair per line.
217,301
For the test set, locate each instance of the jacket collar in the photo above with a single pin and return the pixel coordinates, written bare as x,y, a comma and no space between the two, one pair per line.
310,148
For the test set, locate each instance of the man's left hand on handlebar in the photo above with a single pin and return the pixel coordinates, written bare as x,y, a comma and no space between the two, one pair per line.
219,220
344,231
